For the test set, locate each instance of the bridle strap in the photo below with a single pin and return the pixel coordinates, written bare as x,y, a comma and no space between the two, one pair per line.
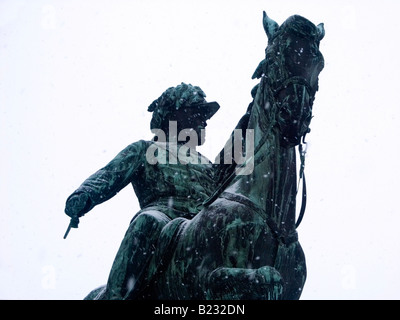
295,80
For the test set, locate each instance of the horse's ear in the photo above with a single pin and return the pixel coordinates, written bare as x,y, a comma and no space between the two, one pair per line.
321,31
270,26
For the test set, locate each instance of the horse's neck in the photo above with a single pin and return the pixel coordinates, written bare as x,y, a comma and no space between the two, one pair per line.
272,184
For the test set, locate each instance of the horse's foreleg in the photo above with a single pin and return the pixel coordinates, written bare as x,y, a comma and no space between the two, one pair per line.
264,283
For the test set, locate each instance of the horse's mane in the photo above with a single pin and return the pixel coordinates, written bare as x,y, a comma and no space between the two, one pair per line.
224,171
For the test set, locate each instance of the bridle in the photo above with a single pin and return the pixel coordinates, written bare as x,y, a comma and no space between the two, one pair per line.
301,81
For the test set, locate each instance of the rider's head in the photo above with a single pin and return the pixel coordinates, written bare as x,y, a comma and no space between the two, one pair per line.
184,104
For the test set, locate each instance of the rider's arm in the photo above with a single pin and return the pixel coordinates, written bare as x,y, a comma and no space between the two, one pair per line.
108,181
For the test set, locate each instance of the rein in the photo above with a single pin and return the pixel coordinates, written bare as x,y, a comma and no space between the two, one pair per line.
302,177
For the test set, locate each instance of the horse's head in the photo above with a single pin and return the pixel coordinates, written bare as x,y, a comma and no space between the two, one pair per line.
291,68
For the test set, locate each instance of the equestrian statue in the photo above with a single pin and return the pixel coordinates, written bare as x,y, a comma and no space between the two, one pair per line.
222,230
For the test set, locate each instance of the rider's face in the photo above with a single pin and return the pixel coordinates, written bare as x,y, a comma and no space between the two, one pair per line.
189,119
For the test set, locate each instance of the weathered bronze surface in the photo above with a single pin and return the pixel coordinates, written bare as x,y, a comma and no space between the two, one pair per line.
225,230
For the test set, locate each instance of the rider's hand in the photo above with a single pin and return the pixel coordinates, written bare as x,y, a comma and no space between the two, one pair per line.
75,205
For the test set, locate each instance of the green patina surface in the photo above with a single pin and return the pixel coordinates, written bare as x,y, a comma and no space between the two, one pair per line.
204,232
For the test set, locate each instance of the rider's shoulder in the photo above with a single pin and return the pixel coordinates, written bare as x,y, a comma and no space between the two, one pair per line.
140,144
137,147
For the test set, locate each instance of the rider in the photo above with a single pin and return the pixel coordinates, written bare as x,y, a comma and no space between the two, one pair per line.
165,190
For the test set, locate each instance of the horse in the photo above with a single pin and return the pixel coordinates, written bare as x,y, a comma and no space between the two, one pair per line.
244,244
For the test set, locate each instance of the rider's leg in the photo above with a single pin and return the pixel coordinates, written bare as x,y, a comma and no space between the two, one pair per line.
134,254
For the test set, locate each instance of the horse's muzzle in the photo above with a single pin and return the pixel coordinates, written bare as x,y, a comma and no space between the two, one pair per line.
295,113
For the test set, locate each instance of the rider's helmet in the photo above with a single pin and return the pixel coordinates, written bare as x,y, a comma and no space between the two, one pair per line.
175,98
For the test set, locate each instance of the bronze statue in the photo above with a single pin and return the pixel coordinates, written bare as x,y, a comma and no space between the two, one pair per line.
237,238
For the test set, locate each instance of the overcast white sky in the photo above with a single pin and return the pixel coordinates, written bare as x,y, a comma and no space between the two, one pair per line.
76,78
